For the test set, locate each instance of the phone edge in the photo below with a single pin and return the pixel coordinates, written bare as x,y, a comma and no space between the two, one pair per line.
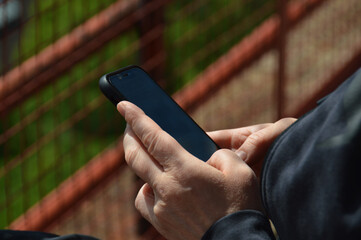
108,90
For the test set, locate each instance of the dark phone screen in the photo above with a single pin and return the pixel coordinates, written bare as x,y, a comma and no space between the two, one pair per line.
137,87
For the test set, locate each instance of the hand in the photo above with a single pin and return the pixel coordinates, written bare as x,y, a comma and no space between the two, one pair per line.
183,196
251,143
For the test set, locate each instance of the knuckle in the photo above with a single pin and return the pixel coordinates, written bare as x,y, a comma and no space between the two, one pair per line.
220,154
131,154
161,214
168,190
240,138
159,210
256,139
164,198
164,192
248,176
168,198
131,117
151,140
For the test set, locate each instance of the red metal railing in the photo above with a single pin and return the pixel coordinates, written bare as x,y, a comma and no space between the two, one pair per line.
41,69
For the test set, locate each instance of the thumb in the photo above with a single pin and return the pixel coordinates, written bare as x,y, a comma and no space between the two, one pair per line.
256,145
144,202
225,161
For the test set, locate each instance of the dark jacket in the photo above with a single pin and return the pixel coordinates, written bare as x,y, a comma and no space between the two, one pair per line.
311,177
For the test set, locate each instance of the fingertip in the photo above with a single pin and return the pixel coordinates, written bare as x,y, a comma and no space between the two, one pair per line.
125,107
121,106
144,201
241,154
148,191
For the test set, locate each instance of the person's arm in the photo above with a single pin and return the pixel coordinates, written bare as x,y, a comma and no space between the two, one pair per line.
184,196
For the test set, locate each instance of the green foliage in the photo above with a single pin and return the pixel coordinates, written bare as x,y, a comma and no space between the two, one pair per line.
200,38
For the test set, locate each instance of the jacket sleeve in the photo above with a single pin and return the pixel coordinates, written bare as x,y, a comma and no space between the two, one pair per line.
247,224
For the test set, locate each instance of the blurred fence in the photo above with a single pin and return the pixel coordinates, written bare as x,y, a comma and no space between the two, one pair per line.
229,63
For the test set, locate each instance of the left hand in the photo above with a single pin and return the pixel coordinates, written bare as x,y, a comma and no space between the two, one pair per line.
251,143
183,196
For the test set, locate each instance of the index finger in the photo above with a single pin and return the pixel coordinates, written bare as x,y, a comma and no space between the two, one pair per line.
139,160
257,144
159,144
234,138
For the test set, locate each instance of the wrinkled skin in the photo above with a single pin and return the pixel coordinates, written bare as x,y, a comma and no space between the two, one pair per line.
183,196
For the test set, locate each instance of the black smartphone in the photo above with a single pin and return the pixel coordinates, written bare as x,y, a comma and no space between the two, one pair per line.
133,84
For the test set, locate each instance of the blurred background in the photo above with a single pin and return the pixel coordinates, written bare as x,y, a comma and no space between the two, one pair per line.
229,63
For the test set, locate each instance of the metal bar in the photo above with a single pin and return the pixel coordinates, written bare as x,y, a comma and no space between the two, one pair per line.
189,9
242,55
4,42
33,148
68,193
281,81
149,49
64,46
42,69
213,45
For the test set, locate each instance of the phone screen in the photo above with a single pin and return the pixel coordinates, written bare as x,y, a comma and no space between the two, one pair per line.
137,87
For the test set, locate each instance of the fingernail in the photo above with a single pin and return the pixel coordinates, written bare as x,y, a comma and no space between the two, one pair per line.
241,154
121,108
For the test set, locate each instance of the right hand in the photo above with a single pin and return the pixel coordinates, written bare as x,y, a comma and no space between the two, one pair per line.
251,143
183,196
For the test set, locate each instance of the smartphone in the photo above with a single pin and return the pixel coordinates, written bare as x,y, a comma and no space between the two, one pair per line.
133,84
